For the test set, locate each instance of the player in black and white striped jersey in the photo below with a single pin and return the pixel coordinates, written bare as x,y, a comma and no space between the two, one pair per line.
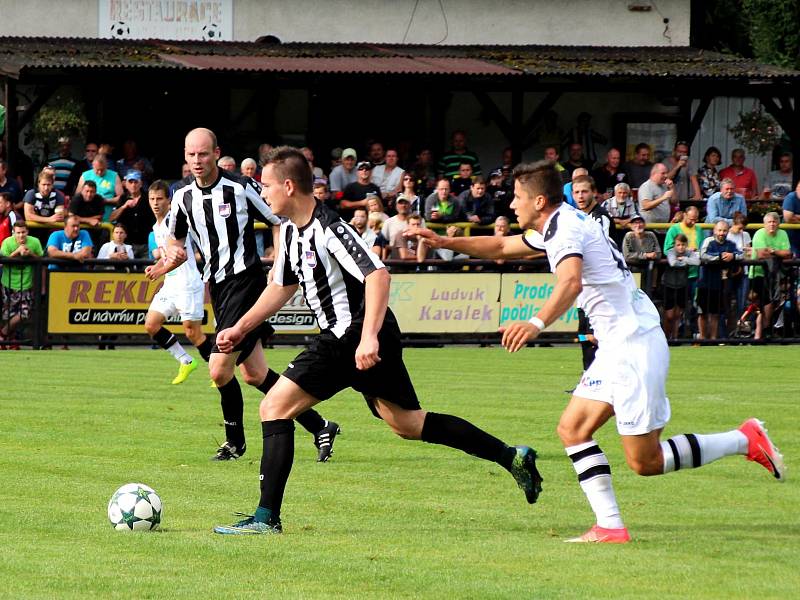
347,287
218,209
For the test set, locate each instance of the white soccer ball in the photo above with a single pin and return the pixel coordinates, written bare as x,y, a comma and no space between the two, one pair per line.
134,507
211,32
120,29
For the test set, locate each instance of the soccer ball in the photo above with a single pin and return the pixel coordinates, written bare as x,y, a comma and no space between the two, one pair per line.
120,29
134,507
211,32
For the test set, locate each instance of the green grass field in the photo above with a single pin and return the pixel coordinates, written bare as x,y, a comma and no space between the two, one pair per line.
386,518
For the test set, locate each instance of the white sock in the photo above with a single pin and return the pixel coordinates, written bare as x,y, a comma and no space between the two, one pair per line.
692,450
594,475
179,353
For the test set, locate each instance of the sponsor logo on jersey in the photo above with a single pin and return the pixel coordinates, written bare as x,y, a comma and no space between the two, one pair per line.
590,383
224,210
311,258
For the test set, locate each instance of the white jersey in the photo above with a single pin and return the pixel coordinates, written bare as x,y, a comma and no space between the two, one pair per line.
616,307
185,278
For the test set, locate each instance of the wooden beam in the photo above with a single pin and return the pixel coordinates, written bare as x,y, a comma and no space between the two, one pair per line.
494,112
697,119
536,118
785,117
517,100
36,104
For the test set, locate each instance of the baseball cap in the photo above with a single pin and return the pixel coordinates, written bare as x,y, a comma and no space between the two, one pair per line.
63,140
133,175
637,217
349,153
402,199
496,173
336,153
364,164
320,181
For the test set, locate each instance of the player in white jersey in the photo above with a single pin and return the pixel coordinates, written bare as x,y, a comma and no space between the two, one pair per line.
182,292
627,379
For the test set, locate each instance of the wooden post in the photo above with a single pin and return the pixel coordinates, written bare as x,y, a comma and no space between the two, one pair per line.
11,136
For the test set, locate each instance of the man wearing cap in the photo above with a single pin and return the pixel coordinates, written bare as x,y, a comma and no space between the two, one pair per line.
355,194
344,174
133,211
396,225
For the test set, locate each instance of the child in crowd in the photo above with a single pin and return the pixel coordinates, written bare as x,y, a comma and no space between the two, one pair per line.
408,248
676,283
750,315
375,224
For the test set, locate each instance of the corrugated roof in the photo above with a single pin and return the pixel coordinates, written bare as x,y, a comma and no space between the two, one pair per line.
19,56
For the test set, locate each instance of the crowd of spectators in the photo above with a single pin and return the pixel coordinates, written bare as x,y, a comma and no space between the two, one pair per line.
653,209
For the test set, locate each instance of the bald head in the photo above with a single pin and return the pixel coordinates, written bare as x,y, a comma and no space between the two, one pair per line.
201,134
202,153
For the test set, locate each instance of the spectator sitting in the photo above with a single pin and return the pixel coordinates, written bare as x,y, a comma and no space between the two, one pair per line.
740,237
779,183
88,206
108,183
44,204
10,186
131,160
639,168
638,245
7,216
249,167
16,282
375,208
568,198
717,255
227,163
791,214
723,204
359,223
71,243
655,195
744,178
772,245
676,283
452,231
116,249
621,205
502,228
62,164
610,174
409,193
309,154
708,174
682,173
463,180
441,206
407,248
450,163
134,212
389,178
355,194
478,205
344,174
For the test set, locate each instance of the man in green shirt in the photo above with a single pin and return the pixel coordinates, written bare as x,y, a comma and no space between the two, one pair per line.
16,280
771,245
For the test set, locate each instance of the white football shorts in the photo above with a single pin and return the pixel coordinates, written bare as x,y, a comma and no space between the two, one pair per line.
631,376
187,304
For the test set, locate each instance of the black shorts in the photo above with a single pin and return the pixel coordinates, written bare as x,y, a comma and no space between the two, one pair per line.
675,297
709,301
231,299
328,366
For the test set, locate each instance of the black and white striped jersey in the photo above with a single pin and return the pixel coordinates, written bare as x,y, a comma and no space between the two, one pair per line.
220,219
330,262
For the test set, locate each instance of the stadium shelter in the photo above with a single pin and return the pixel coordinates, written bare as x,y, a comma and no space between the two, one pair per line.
156,90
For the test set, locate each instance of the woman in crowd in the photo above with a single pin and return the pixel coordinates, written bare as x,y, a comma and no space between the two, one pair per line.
410,194
708,174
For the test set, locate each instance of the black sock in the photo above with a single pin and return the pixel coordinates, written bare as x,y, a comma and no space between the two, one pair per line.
463,435
270,380
164,338
205,348
311,421
276,463
232,412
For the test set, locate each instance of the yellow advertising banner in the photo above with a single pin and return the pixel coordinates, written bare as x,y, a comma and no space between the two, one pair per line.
106,302
446,302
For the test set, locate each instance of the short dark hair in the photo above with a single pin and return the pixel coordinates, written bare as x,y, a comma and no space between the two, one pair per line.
6,196
159,185
540,178
290,163
478,179
585,179
712,150
121,226
20,224
681,237
90,183
641,146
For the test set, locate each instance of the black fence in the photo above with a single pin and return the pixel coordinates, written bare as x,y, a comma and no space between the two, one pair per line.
728,302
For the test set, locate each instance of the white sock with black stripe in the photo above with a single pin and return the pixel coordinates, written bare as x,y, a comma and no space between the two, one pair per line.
692,450
594,475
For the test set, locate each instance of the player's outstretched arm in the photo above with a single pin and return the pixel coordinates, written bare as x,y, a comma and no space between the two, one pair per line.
568,286
484,246
376,300
271,300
